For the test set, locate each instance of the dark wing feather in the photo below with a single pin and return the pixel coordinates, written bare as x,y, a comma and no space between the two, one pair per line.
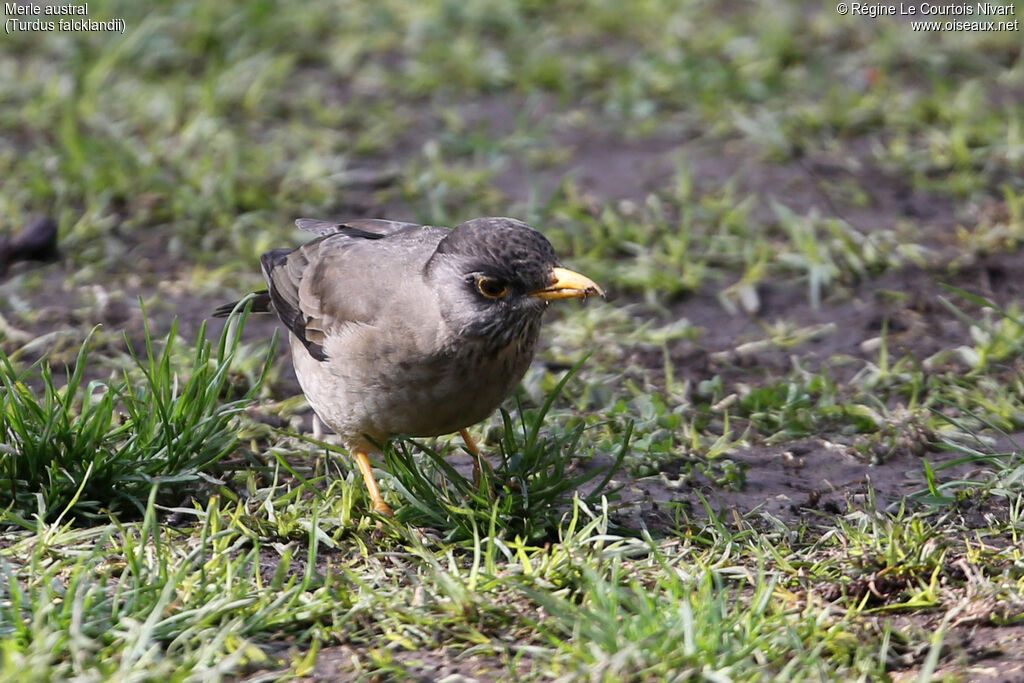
284,269
367,228
260,304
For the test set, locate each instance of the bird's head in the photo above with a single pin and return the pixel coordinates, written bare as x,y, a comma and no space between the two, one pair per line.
497,275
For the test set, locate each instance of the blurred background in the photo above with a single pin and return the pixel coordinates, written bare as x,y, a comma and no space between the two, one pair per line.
661,142
730,172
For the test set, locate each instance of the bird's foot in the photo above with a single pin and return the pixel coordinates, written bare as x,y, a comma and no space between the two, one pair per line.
479,464
382,508
377,500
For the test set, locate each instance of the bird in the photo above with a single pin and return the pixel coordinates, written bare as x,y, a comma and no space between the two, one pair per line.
400,329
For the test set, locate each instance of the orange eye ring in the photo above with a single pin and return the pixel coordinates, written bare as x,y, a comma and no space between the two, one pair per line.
492,288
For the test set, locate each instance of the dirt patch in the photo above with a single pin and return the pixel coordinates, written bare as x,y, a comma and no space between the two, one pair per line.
342,663
905,305
799,482
980,654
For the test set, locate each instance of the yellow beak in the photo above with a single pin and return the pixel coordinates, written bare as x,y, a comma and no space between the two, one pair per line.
568,284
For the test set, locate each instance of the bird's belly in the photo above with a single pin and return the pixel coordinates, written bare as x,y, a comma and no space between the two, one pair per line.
377,399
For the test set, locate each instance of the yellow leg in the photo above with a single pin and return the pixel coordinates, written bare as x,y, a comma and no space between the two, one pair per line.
470,444
478,460
379,505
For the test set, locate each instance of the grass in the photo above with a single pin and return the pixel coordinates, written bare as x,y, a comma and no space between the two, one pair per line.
89,450
524,497
594,605
773,196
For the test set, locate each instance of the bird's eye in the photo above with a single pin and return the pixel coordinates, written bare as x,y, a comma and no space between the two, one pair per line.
491,287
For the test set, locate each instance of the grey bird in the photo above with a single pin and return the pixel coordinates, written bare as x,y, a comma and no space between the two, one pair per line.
403,329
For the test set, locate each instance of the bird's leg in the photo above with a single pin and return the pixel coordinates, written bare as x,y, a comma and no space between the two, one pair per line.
478,459
371,484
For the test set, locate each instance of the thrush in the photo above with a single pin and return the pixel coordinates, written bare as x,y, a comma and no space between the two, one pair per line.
404,329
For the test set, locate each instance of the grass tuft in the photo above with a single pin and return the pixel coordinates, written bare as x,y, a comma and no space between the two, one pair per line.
527,493
92,448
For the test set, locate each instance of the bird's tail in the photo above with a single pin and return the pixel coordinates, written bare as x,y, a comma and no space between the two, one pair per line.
260,304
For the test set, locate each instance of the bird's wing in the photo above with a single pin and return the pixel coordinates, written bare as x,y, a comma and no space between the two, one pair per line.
370,228
342,277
